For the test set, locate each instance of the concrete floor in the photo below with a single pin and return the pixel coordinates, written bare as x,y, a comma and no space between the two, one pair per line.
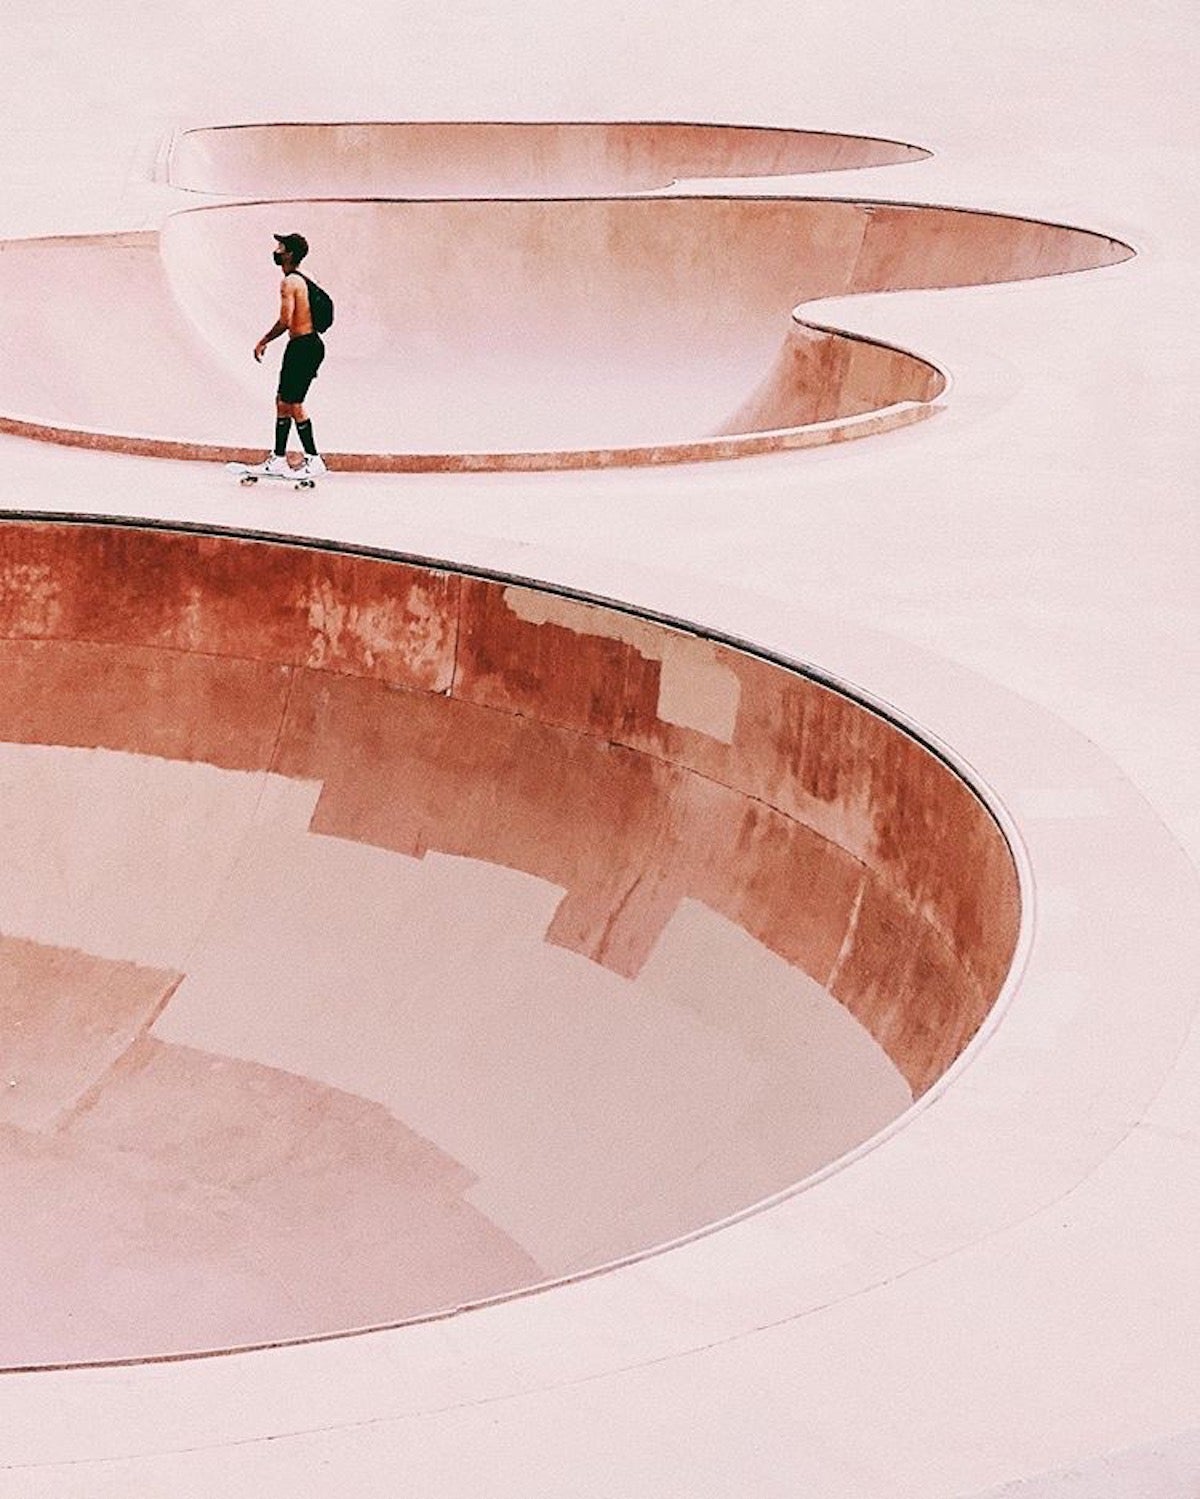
1001,1296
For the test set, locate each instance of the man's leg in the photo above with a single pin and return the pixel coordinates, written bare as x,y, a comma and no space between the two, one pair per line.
283,426
304,429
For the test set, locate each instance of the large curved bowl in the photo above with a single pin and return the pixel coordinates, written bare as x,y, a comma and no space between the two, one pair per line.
500,334
380,939
467,159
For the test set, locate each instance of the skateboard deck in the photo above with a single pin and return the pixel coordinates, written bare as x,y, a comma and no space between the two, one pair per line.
246,474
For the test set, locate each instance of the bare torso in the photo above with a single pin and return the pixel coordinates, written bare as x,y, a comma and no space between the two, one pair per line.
295,319
294,311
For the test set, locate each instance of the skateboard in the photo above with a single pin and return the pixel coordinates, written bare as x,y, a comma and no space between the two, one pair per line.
248,475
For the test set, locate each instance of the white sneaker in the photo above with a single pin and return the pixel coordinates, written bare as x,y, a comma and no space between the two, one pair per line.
272,464
314,465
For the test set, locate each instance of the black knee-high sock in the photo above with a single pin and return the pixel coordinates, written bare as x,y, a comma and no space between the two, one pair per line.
304,432
283,425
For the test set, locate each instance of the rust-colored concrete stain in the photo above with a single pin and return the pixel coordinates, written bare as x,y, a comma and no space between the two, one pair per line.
429,723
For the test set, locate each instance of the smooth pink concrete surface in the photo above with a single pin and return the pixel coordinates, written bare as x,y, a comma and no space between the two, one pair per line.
999,1295
263,1157
627,330
464,159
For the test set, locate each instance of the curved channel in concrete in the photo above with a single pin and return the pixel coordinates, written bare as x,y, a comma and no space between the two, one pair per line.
467,159
380,939
502,334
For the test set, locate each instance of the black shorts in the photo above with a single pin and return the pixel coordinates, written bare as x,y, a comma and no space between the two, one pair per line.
301,361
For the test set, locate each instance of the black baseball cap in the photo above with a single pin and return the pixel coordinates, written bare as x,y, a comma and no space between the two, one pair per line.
295,244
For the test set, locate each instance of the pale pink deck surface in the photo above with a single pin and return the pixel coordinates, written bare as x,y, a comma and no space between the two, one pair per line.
1004,1291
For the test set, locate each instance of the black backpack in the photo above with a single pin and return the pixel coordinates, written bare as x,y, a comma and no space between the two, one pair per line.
320,304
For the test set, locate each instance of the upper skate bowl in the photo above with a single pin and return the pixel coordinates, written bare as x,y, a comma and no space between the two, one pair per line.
501,333
475,159
380,939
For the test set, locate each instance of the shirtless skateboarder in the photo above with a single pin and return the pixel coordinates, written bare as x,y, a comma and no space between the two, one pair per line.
301,361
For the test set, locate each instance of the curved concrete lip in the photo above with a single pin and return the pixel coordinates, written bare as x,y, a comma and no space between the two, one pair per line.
507,334
383,939
489,158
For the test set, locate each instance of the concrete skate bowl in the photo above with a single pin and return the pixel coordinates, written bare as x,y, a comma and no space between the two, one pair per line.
381,939
469,159
500,334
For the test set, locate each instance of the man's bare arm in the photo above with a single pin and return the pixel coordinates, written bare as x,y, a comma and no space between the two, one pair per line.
287,305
